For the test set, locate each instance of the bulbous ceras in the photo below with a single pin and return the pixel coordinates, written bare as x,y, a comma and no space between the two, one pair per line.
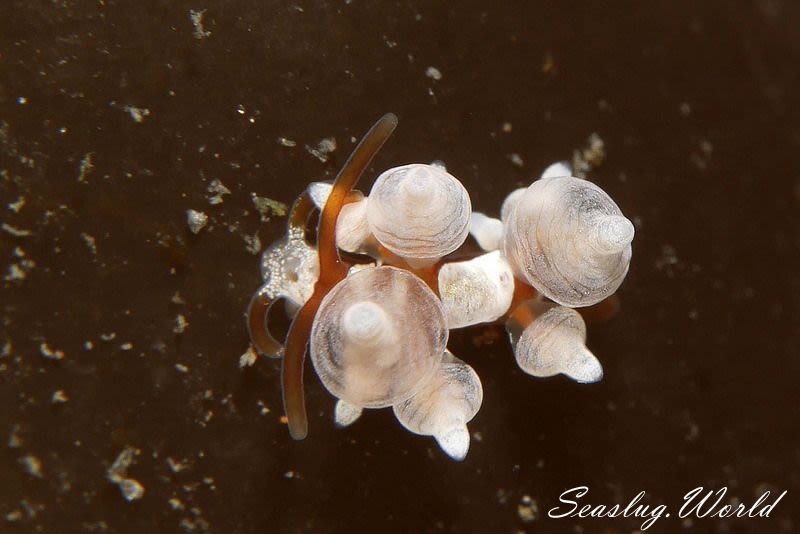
377,337
567,238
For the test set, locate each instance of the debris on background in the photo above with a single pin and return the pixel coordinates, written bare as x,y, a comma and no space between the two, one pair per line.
196,220
130,488
324,148
268,207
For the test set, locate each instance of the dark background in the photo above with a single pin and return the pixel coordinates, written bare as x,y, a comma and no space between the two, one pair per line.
697,104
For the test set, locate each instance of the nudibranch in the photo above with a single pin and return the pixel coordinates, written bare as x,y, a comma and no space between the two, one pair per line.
374,298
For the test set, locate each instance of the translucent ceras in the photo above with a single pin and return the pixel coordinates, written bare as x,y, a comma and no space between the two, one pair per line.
378,337
375,297
569,240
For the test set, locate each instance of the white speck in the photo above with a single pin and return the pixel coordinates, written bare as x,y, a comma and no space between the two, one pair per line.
118,473
17,204
181,368
108,337
176,466
32,465
264,409
16,232
85,167
516,159
291,474
176,504
126,346
267,207
19,271
47,352
22,100
14,441
686,109
131,489
667,258
507,127
197,21
248,358
433,73
324,147
240,109
7,348
283,141
30,508
590,157
528,509
197,220
59,397
137,114
91,242
15,273
216,189
27,161
88,345
253,243
181,324
14,516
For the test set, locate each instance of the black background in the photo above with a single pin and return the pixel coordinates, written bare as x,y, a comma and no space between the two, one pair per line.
696,103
